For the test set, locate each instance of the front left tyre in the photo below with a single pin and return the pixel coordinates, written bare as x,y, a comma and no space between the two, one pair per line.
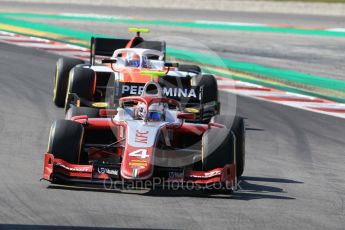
237,125
218,148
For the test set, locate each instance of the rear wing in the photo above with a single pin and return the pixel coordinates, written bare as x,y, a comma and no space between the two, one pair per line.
107,46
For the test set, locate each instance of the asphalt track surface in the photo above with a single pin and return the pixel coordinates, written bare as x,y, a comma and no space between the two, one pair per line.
293,177
310,54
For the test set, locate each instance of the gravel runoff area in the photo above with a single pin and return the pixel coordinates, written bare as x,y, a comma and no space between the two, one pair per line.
335,9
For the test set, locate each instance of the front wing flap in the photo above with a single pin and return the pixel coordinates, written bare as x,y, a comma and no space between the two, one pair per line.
59,170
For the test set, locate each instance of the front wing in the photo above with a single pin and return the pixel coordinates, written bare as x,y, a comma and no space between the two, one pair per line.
59,171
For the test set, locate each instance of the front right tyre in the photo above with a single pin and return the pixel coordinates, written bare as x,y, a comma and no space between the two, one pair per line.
65,140
81,83
63,67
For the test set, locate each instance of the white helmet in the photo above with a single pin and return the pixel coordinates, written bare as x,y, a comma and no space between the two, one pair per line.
140,111
133,59
156,112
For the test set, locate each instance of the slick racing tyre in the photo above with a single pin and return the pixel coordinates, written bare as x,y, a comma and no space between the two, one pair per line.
237,126
218,148
63,67
78,111
189,68
210,87
65,140
209,98
82,83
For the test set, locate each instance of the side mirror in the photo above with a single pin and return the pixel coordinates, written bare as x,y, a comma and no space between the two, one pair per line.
216,125
79,117
107,112
186,116
110,61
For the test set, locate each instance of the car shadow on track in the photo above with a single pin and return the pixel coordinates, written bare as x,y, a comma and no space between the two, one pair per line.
54,227
249,188
254,129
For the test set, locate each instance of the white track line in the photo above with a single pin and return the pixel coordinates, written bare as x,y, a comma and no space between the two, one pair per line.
336,29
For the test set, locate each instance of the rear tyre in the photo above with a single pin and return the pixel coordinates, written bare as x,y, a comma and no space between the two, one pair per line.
210,87
237,125
65,140
78,111
82,83
189,68
210,95
63,67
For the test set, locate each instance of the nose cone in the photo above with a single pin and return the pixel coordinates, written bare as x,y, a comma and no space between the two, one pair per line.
137,163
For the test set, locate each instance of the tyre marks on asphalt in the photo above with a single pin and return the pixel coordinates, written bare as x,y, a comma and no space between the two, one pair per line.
229,85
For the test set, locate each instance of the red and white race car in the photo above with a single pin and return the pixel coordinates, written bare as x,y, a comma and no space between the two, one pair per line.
145,140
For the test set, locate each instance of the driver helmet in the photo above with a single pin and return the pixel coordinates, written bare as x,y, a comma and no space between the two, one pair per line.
140,112
133,59
155,112
146,62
